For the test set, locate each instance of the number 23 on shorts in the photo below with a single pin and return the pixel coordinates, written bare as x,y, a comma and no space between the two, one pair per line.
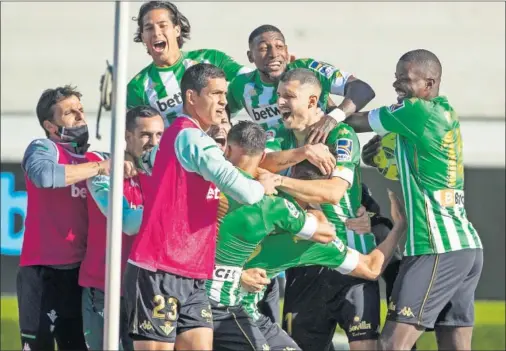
158,310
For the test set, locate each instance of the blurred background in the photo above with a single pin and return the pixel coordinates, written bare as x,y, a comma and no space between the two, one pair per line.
46,45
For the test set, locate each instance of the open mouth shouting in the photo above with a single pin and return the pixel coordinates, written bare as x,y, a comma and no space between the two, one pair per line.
286,113
401,95
159,46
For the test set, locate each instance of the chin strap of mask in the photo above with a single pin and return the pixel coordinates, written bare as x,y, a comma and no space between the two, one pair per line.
105,95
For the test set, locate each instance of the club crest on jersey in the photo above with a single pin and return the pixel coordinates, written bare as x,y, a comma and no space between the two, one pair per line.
344,149
292,209
271,134
323,68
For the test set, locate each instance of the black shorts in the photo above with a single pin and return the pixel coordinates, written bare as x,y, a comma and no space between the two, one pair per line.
269,305
433,290
317,299
161,305
235,330
49,303
276,337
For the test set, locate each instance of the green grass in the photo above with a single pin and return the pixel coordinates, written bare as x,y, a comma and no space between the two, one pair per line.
489,331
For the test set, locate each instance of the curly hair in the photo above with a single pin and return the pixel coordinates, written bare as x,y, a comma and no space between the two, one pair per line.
176,17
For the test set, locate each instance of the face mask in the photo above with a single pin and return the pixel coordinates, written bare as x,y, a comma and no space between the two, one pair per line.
78,135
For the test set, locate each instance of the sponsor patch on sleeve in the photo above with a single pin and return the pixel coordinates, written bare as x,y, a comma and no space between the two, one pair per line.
339,244
292,209
271,134
323,68
344,149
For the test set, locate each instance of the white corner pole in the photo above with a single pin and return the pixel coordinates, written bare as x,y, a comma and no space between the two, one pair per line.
115,214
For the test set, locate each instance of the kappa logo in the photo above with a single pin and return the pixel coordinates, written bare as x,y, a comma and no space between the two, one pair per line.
406,312
26,347
146,325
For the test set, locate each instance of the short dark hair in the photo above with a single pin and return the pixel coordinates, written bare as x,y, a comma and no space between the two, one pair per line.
142,111
303,75
197,77
51,97
426,60
263,29
305,170
249,136
177,18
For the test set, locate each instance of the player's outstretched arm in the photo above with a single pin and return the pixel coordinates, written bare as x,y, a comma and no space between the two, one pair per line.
357,94
197,152
359,121
318,155
325,231
40,163
371,266
315,191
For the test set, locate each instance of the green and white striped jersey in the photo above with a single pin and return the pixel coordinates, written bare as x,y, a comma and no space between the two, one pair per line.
241,229
279,252
160,87
431,171
260,99
345,141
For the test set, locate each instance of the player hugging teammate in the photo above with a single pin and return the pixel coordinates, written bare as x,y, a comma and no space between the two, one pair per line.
215,209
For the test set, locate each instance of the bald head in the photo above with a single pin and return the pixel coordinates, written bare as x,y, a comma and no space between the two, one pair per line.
425,61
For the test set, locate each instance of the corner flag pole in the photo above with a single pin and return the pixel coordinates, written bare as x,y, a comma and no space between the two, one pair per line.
115,214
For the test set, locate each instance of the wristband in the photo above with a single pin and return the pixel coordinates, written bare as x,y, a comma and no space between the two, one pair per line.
337,114
309,227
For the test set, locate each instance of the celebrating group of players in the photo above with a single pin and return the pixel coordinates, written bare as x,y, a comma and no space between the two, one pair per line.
218,207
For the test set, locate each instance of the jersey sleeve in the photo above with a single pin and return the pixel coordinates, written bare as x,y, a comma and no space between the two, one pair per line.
234,94
350,262
347,149
333,79
40,163
276,139
407,118
197,152
288,216
135,94
229,65
99,188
